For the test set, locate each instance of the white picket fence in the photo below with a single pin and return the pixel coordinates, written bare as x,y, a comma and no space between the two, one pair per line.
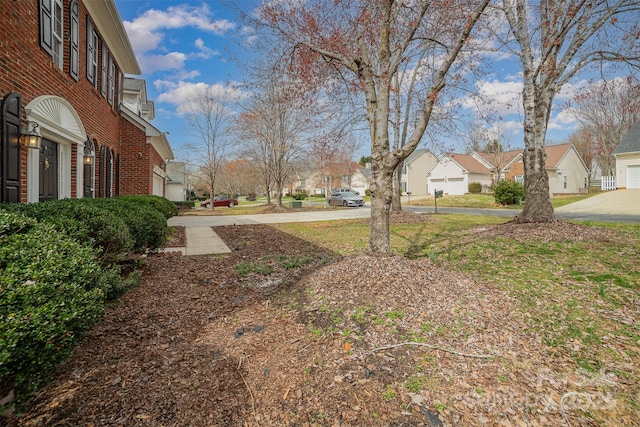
608,183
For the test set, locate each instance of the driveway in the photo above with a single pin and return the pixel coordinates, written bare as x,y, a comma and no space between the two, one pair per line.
618,202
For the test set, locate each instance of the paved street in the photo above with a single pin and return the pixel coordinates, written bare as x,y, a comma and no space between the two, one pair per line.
610,206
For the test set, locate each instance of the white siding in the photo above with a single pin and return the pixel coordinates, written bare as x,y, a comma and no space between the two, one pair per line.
570,170
445,170
633,177
416,177
623,162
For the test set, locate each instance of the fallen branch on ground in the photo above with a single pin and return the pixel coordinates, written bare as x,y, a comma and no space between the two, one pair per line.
433,347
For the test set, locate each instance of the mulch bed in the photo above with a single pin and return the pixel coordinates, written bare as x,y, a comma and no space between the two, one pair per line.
198,344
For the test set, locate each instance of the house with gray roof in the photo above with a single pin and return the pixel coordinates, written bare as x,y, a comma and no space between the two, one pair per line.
627,156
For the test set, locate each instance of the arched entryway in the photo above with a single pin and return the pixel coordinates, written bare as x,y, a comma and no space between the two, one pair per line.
49,170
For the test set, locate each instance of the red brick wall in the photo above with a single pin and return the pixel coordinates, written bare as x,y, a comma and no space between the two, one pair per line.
27,69
516,168
135,173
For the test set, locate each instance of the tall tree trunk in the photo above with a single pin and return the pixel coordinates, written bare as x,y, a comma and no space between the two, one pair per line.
537,206
379,242
396,202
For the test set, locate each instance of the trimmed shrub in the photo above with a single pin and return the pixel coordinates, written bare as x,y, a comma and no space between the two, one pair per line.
85,222
508,192
50,295
300,196
165,206
475,188
147,226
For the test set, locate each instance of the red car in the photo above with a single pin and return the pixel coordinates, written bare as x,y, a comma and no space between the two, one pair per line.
220,201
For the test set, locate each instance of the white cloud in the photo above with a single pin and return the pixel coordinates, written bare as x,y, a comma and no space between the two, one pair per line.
205,52
178,93
146,34
170,61
502,97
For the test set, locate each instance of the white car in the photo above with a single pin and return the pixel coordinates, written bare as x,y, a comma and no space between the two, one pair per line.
345,198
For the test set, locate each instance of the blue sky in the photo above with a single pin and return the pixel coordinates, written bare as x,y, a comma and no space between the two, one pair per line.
182,44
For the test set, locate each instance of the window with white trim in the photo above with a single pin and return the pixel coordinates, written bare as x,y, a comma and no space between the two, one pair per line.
92,53
51,29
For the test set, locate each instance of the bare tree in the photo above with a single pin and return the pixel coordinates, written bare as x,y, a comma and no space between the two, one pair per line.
494,146
554,42
274,130
364,44
606,112
207,113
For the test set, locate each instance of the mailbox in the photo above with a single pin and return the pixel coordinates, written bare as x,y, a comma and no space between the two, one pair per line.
438,193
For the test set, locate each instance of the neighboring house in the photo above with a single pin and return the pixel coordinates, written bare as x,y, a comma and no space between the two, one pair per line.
453,173
627,156
62,77
150,152
361,179
334,177
414,171
498,163
566,171
178,184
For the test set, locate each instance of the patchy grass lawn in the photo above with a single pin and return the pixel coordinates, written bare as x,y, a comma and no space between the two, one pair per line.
486,201
579,296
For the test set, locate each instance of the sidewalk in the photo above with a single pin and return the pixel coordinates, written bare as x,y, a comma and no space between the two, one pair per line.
201,241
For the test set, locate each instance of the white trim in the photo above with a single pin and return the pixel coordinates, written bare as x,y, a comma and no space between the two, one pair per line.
60,123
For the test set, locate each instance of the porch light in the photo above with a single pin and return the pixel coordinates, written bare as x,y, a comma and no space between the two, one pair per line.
88,156
87,159
31,138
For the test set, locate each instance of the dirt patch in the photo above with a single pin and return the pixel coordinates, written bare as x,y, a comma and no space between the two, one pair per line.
283,333
177,237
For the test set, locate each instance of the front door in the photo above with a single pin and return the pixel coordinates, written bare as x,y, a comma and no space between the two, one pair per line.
48,171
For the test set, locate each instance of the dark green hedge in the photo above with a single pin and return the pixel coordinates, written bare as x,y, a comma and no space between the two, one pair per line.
147,226
59,263
86,222
51,293
164,206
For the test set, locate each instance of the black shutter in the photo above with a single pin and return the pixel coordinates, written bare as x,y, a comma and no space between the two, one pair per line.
101,172
46,32
117,174
91,71
74,40
10,149
109,181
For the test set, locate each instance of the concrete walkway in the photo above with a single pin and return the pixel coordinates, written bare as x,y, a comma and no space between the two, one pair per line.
201,241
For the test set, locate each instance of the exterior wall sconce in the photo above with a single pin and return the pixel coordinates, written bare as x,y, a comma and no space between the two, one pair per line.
88,155
31,138
87,159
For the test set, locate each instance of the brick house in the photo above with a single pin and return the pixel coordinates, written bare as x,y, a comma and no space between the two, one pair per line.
62,67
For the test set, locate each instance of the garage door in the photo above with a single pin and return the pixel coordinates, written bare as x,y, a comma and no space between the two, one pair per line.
633,176
456,186
436,184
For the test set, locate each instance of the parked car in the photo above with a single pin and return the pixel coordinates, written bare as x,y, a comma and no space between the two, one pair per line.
220,201
348,190
346,198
